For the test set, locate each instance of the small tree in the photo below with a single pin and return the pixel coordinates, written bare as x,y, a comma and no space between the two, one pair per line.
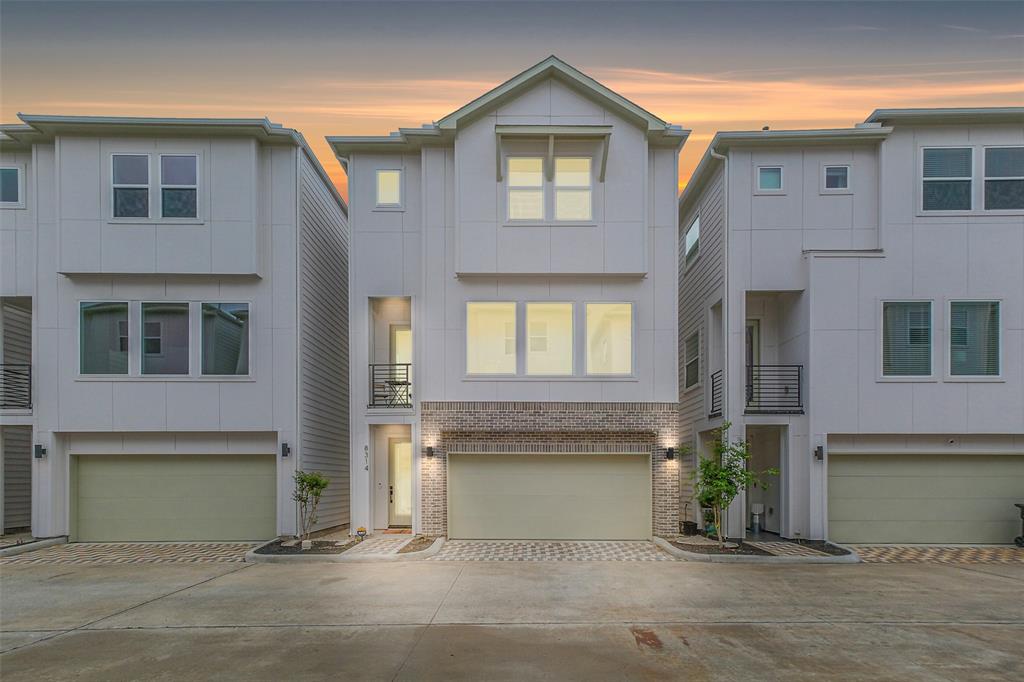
309,486
719,479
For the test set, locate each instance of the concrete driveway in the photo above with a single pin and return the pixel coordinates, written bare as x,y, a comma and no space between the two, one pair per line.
490,620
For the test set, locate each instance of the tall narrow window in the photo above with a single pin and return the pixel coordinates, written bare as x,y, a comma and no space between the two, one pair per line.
1004,178
165,338
389,188
691,241
691,351
525,188
131,185
179,187
974,338
491,338
225,339
10,187
609,338
549,342
947,179
906,338
573,194
103,338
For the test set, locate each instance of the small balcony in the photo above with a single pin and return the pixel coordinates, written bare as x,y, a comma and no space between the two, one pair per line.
715,406
391,385
774,389
15,386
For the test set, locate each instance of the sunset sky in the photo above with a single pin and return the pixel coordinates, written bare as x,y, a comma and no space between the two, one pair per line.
337,68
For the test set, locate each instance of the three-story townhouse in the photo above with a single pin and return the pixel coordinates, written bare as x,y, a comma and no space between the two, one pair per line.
514,316
174,328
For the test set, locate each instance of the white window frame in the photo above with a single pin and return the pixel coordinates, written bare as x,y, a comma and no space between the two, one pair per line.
20,170
509,187
972,378
782,179
572,341
400,206
80,375
836,190
690,258
921,180
985,178
933,339
687,360
555,187
632,341
148,187
198,325
161,187
141,343
516,327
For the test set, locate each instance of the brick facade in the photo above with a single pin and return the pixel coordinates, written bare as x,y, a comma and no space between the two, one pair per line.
548,427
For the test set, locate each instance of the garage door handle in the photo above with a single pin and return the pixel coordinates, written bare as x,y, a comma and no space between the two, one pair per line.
391,493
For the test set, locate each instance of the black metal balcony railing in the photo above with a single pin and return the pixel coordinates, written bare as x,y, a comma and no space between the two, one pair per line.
16,386
716,395
775,389
390,385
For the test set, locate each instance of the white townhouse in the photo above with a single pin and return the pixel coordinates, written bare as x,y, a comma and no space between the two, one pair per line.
513,298
852,301
174,328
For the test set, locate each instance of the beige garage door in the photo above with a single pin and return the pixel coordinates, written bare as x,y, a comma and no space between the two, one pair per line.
924,498
173,497
549,497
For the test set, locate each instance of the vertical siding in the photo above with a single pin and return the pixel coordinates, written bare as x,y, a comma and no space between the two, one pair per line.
697,284
17,328
323,342
17,463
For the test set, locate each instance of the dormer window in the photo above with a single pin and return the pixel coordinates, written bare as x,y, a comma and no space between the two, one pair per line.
526,188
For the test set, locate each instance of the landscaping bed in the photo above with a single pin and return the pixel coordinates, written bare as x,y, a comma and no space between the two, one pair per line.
743,549
417,544
278,548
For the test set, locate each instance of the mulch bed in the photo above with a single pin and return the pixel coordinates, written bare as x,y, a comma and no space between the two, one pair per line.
417,544
319,547
743,549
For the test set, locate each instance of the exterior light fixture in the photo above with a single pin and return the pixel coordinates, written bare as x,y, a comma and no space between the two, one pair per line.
819,453
39,451
285,449
670,453
430,451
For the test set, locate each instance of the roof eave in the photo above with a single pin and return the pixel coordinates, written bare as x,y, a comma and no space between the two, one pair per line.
947,115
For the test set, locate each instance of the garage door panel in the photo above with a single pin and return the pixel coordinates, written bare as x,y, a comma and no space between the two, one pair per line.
924,532
918,466
923,487
877,509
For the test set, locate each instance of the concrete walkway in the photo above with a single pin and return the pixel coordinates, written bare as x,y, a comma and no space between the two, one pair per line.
522,620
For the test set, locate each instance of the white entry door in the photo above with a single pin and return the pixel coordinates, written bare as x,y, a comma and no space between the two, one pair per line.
399,482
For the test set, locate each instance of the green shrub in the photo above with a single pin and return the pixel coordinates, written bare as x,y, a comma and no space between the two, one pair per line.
309,486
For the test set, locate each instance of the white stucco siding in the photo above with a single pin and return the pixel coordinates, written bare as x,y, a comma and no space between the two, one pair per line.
17,231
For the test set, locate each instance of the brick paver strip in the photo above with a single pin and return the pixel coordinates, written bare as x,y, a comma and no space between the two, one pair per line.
786,548
136,553
941,555
549,550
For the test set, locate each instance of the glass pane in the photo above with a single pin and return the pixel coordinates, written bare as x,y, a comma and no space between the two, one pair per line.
9,185
525,172
389,188
974,338
692,353
836,177
572,172
692,239
691,374
947,195
131,169
226,338
103,345
947,163
526,204
165,338
489,328
906,339
769,178
131,203
1004,162
178,170
178,203
549,351
609,338
1004,194
573,204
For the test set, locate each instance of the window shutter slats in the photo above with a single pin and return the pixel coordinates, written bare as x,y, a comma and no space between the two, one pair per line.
907,338
974,338
947,163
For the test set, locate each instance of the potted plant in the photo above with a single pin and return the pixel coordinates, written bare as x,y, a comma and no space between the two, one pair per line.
309,486
689,526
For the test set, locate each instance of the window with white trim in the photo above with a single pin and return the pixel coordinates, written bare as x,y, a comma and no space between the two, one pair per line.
549,344
769,178
179,186
491,338
947,174
389,188
691,241
12,191
691,360
836,178
1004,178
974,338
225,339
906,338
103,337
609,338
130,180
525,188
165,338
573,188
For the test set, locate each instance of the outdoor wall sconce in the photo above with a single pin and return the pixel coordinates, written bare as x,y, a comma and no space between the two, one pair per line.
285,449
819,453
670,453
430,451
39,451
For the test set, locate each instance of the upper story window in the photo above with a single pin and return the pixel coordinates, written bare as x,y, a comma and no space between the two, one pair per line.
525,188
12,191
836,178
573,188
225,338
1004,178
549,344
103,337
179,186
165,338
691,241
906,338
974,338
769,179
130,185
389,189
610,338
691,358
947,178
491,338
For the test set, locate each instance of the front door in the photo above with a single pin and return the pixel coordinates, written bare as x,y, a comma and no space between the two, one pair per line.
399,483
